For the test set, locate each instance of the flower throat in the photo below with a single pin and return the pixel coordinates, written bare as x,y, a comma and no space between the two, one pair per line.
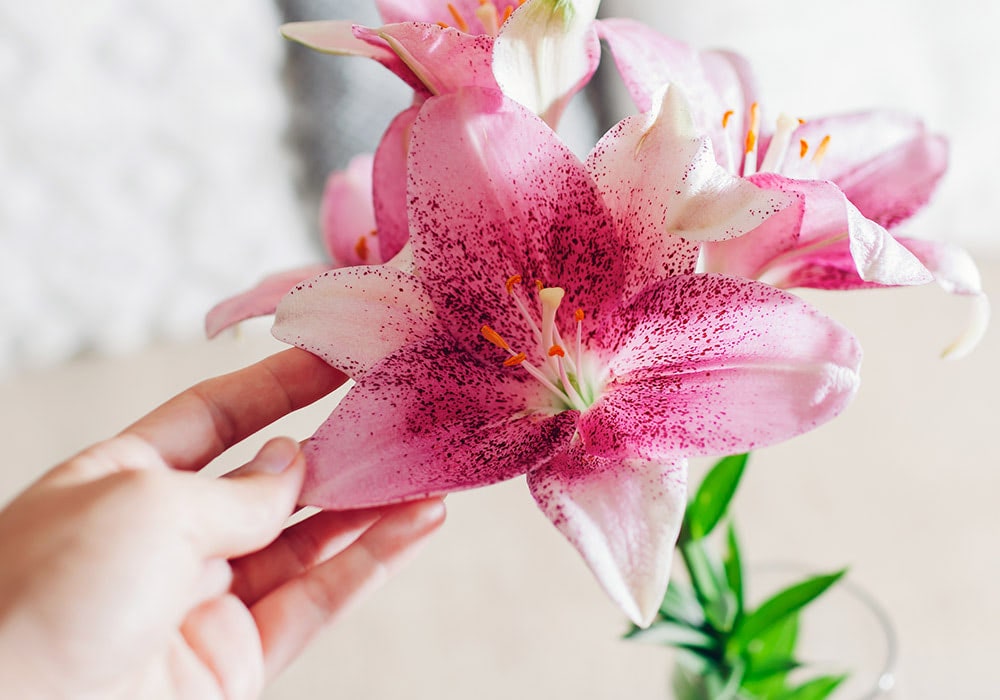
561,371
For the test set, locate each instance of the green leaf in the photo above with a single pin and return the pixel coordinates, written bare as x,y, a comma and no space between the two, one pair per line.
672,634
680,605
777,608
732,562
710,586
815,689
769,657
713,496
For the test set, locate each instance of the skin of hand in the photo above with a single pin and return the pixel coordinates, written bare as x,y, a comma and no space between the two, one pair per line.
125,574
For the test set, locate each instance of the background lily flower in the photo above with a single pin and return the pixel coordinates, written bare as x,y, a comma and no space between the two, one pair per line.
535,335
347,222
853,177
543,53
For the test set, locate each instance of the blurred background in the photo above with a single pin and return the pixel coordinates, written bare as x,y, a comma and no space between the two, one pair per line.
156,157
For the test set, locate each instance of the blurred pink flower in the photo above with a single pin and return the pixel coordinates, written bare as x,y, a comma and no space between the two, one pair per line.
853,176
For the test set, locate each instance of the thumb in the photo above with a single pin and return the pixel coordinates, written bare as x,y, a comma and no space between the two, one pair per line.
246,510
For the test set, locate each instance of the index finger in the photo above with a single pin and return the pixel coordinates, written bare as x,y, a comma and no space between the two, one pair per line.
199,424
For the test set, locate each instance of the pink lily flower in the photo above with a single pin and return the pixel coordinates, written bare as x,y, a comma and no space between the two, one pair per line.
542,52
542,331
854,176
347,222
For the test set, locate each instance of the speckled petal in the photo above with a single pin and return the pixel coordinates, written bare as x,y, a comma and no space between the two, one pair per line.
827,217
708,364
623,516
344,38
346,216
493,193
442,59
546,53
259,301
429,420
715,82
663,185
355,317
389,176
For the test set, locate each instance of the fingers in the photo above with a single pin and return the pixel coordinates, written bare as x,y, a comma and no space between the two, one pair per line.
292,614
298,549
196,426
222,635
231,517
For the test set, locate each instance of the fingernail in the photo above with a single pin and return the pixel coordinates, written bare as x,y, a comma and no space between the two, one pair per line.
275,457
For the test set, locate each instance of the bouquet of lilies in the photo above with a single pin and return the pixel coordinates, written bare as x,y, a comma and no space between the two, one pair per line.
505,308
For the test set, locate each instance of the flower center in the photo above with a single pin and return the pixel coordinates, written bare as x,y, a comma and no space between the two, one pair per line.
778,147
487,13
562,370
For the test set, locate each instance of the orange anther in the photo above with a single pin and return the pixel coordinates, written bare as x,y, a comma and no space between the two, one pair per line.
751,143
726,117
578,315
540,285
512,282
521,2
801,121
507,13
803,148
459,19
494,337
821,149
557,350
443,25
515,360
361,249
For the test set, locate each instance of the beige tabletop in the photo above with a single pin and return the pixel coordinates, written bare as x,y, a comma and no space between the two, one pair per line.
903,488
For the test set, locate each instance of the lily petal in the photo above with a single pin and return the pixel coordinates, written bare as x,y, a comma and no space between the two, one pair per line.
708,365
546,52
828,217
356,316
261,300
956,273
346,216
428,420
389,177
494,193
663,184
623,516
443,59
715,82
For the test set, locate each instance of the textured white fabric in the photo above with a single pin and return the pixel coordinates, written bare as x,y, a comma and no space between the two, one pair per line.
143,174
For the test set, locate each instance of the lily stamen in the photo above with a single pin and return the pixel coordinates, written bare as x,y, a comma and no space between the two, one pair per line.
555,375
750,149
460,22
821,150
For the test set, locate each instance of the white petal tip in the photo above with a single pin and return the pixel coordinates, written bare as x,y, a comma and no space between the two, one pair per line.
973,333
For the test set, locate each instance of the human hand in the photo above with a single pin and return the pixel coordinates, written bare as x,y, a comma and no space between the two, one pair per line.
123,574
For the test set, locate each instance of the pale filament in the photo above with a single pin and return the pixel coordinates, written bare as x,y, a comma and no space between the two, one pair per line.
551,344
